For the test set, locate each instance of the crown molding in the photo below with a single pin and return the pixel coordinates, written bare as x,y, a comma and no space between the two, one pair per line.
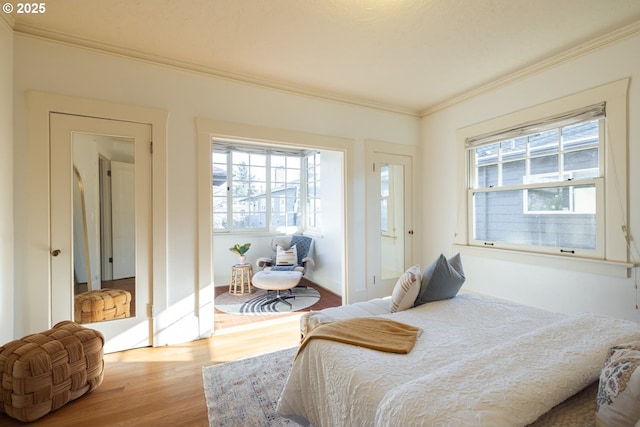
93,45
566,56
8,19
105,48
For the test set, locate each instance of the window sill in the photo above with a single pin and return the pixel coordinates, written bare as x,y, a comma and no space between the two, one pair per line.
587,265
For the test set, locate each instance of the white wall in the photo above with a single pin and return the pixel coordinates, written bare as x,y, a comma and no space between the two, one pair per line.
328,246
44,66
6,184
554,288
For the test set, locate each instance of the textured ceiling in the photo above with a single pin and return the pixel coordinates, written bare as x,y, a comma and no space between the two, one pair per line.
406,55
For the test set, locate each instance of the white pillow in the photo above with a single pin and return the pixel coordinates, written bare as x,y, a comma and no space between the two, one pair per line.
287,256
406,290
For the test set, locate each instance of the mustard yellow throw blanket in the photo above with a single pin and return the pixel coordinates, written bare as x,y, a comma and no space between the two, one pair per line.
369,332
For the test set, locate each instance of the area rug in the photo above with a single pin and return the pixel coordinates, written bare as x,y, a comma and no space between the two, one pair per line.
245,393
253,303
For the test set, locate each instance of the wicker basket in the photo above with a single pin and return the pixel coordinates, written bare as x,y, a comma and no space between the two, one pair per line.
42,372
103,304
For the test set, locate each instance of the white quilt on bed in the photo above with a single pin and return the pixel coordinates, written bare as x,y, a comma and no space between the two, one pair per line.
478,362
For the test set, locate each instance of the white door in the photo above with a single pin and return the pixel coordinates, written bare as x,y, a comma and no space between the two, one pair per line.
389,222
123,223
81,141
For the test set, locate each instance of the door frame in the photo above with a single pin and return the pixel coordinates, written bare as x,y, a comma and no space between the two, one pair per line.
373,151
207,129
65,132
37,313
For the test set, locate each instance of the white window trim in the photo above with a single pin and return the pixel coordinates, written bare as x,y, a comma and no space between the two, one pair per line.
206,129
315,230
616,254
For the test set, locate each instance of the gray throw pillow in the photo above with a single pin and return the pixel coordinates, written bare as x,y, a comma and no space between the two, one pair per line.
442,279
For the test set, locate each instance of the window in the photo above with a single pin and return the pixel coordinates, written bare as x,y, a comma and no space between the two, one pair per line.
539,188
391,199
384,199
314,207
258,189
550,180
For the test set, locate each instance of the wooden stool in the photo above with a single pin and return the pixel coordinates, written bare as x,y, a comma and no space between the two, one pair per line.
241,279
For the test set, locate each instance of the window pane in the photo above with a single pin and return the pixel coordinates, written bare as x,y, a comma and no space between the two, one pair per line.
547,199
239,157
313,190
584,163
487,176
219,221
278,161
294,162
258,173
384,216
285,190
219,183
558,217
581,135
284,209
487,154
546,167
249,220
384,181
220,204
513,149
514,173
544,142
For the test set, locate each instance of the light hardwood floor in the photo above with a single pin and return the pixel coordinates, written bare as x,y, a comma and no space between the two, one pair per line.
162,386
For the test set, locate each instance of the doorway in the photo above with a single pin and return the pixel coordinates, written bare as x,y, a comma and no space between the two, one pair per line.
108,195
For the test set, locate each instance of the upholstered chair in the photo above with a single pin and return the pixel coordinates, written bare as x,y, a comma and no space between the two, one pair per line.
289,253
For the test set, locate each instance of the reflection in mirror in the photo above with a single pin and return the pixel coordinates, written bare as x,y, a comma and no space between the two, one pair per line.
103,228
80,235
392,220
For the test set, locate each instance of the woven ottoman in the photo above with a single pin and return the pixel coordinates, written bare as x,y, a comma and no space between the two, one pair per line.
42,372
103,304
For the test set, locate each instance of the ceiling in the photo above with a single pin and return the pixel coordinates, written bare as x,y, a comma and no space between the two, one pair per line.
410,56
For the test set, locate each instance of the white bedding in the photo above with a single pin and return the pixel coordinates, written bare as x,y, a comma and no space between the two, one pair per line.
479,361
373,307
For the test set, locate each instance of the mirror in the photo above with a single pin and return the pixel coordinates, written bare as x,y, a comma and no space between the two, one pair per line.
392,220
103,224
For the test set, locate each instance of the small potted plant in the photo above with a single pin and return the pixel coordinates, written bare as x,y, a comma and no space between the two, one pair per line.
241,250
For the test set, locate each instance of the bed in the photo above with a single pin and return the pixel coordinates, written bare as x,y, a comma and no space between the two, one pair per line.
477,361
